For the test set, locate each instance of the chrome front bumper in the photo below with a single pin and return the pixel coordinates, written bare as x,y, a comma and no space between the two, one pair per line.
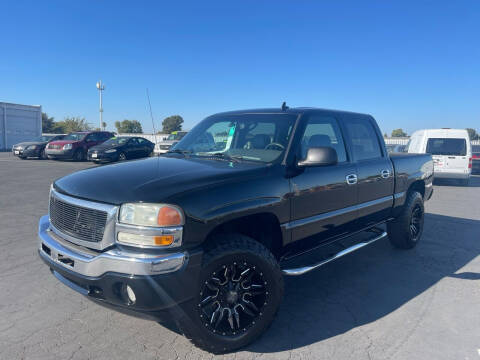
94,264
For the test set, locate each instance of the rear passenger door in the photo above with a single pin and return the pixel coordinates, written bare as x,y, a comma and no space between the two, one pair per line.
323,202
374,170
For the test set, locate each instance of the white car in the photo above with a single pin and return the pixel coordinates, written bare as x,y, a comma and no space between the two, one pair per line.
451,151
165,145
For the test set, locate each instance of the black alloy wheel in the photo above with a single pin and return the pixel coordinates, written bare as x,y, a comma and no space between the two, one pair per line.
233,298
239,291
122,157
416,222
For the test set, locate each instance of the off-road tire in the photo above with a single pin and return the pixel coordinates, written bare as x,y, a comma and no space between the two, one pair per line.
236,248
400,230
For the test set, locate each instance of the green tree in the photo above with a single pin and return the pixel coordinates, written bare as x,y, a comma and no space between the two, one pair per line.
398,133
104,125
172,123
473,134
48,123
71,124
129,127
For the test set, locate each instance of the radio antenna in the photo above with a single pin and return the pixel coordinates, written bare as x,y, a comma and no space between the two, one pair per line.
151,115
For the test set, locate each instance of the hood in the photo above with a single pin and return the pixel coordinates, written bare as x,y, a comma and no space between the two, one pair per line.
153,179
103,147
63,142
28,143
168,142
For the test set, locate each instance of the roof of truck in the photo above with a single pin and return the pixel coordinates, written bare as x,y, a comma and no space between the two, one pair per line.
295,110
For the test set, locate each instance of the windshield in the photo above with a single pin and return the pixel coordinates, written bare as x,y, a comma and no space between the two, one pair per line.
116,141
255,137
75,136
447,146
44,138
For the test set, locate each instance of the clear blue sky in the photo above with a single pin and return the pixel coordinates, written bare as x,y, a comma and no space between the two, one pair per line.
411,64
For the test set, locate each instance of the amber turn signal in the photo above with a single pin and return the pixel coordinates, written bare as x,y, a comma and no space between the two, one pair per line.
169,216
163,240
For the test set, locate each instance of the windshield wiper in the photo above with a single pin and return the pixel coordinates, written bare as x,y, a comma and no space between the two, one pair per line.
179,151
223,156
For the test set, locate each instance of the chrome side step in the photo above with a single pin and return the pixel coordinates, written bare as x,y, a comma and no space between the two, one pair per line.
305,269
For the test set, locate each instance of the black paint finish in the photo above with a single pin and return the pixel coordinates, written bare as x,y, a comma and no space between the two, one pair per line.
303,201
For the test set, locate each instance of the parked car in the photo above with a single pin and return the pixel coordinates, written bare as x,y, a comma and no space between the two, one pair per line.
165,145
395,148
74,146
475,159
204,234
451,151
121,148
34,148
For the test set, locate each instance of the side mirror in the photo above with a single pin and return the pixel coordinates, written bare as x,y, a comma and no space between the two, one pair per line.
319,156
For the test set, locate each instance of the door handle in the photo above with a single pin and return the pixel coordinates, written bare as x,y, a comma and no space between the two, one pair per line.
385,174
351,179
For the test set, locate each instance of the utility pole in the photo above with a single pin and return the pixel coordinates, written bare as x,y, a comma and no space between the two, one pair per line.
100,87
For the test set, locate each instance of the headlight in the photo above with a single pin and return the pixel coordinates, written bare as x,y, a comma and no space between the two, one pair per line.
67,146
110,151
32,147
150,225
145,214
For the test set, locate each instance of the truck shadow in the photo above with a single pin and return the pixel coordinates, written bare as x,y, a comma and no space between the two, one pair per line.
370,284
474,182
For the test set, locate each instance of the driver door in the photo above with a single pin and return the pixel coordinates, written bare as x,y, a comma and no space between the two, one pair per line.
323,202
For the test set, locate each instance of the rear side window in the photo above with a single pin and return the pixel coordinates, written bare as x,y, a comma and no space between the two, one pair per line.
323,131
446,146
364,139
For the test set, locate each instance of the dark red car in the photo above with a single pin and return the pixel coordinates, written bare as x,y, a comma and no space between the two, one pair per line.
75,145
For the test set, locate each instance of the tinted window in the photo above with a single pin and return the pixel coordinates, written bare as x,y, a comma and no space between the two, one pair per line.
364,139
322,131
94,137
142,141
443,146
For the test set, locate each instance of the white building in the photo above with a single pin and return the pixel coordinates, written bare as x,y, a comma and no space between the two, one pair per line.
19,123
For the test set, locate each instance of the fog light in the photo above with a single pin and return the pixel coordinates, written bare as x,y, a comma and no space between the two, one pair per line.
144,240
131,295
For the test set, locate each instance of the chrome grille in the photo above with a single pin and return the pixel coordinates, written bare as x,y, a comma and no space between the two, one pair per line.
79,222
54,146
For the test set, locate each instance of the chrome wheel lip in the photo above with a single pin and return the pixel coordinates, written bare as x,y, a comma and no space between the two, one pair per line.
227,318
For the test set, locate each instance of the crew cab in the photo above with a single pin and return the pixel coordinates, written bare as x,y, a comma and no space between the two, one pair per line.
205,234
75,145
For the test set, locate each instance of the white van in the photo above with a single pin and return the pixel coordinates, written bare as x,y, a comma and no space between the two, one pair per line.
450,148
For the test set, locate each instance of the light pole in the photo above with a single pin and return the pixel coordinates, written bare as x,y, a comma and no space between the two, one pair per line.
100,87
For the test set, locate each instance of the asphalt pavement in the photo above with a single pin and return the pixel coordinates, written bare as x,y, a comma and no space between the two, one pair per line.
376,303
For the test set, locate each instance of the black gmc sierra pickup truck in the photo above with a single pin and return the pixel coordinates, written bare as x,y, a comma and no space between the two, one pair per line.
204,234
